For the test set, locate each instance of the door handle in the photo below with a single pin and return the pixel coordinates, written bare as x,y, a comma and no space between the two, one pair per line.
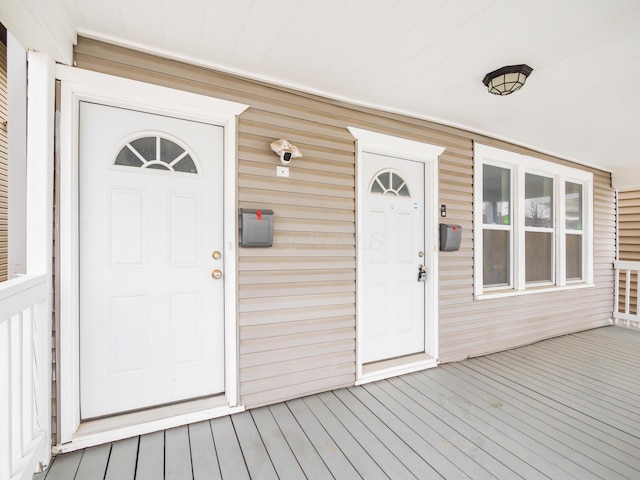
216,274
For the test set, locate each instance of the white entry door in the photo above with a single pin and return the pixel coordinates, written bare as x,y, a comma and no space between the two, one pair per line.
393,247
150,220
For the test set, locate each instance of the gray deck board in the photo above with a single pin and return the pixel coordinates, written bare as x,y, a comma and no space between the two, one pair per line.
306,455
443,456
150,457
255,454
229,453
204,457
377,421
376,443
94,462
65,466
574,462
352,449
541,418
560,413
564,408
177,457
473,427
122,462
283,459
333,458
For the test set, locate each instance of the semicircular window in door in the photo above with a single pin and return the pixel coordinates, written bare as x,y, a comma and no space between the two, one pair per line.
157,153
389,182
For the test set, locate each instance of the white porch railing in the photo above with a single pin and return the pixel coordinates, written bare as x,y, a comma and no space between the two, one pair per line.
626,310
25,376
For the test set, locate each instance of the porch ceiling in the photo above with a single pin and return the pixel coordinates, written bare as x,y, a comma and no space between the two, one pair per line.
426,58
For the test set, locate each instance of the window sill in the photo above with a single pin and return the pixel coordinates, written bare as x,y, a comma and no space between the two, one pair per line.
490,294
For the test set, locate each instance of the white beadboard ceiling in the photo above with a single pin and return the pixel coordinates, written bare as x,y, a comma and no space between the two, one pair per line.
426,58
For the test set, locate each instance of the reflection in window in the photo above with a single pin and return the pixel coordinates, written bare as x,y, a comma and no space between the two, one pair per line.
156,153
496,195
573,218
390,183
538,201
496,258
573,206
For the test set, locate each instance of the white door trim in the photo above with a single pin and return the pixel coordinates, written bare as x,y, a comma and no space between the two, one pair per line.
81,85
374,142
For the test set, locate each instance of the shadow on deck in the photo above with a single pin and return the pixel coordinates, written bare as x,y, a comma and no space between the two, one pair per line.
562,408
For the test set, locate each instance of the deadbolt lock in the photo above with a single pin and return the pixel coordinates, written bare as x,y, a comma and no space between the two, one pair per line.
422,273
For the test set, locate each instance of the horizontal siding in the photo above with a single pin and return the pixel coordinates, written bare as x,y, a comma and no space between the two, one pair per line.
4,167
629,242
629,225
296,301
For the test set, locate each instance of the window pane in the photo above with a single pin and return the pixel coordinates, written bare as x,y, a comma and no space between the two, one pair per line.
127,158
496,258
169,150
538,256
573,205
496,195
146,147
538,208
186,165
574,257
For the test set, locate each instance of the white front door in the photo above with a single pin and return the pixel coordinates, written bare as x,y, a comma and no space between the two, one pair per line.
393,248
150,209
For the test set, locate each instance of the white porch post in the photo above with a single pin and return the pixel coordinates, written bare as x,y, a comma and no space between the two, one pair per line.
40,161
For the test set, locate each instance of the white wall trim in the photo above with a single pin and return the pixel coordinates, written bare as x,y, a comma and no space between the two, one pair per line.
78,85
41,26
374,142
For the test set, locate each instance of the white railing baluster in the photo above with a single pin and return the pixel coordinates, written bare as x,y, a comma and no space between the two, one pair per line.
24,438
627,318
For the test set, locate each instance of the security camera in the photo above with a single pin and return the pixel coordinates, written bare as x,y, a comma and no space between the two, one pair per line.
285,150
285,158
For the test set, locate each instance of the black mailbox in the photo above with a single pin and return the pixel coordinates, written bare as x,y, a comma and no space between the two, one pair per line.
450,236
256,227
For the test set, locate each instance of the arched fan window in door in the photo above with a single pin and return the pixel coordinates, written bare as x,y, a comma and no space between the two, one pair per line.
389,182
157,153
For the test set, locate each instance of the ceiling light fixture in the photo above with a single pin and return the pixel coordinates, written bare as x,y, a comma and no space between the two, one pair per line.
507,80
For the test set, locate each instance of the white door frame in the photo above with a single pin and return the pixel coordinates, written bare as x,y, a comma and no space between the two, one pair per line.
81,85
373,142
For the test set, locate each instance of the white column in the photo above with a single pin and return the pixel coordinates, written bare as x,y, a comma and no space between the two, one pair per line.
40,161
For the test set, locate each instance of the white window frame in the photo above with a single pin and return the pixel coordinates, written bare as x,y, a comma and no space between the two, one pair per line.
519,165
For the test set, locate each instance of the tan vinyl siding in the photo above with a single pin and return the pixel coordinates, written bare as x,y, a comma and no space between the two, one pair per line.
4,166
296,301
629,239
629,225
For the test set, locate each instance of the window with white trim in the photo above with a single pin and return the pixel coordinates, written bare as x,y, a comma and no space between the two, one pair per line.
533,224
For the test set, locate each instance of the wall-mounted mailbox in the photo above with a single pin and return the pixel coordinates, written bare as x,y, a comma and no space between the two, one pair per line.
450,236
256,227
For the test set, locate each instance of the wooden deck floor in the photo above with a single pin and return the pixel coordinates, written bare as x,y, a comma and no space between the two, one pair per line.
563,408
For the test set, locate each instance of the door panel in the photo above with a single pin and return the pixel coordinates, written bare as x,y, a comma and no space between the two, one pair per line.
151,316
393,299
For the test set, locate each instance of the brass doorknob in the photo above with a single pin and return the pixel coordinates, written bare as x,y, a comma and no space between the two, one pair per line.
216,274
